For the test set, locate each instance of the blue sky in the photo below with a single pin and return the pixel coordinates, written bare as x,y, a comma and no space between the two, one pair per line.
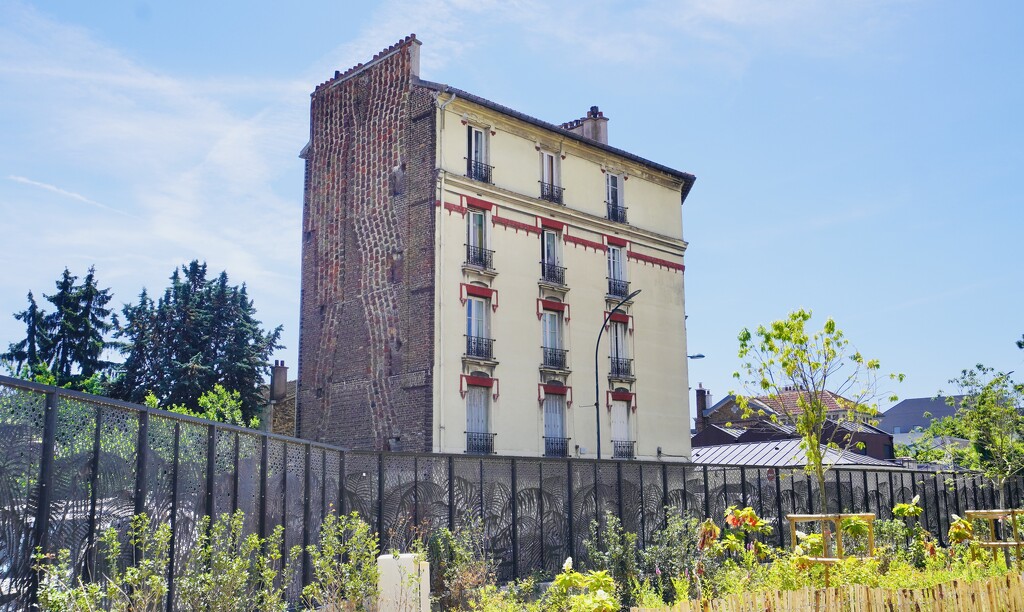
854,158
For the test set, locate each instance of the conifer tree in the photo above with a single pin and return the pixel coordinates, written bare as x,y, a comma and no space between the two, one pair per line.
28,353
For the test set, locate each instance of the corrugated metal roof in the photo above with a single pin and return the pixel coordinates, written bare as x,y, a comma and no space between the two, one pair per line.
777,453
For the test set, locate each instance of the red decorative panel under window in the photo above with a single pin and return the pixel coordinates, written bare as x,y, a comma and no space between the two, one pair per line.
477,291
467,380
551,389
551,224
543,305
621,396
616,242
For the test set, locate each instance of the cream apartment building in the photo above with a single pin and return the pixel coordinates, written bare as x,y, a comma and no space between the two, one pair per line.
459,261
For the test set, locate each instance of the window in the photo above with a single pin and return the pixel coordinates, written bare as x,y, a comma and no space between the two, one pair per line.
551,269
476,160
897,430
616,209
476,240
622,443
549,179
478,341
479,440
551,340
621,364
556,444
618,286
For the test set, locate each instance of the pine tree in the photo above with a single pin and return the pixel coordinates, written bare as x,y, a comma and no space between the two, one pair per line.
92,324
60,324
28,353
199,334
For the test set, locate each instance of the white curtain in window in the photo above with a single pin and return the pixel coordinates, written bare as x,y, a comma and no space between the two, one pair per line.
476,409
615,268
552,330
554,416
476,317
620,420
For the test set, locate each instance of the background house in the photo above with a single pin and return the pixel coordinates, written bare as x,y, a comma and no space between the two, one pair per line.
907,419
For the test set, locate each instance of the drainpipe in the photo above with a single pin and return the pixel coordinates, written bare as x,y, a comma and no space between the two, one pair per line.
439,266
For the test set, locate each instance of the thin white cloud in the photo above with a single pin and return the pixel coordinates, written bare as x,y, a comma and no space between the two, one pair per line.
63,192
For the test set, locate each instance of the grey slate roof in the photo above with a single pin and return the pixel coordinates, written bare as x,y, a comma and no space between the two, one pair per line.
778,453
909,413
687,178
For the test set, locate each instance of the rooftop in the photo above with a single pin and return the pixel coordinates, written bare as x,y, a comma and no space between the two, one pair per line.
779,453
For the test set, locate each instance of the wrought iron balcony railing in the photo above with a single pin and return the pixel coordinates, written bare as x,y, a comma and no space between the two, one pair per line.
478,443
621,368
480,257
618,287
552,273
555,358
551,192
616,213
478,171
556,447
479,347
623,449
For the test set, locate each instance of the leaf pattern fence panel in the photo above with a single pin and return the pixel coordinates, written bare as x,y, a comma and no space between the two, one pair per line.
803,502
294,509
929,501
607,490
815,497
696,493
884,494
831,492
432,493
115,499
554,515
361,486
903,488
768,483
332,482
716,487
399,506
529,504
630,499
653,500
250,451
275,498
498,527
191,493
21,429
224,473
851,491
750,489
584,505
159,468
467,493
70,480
679,499
872,495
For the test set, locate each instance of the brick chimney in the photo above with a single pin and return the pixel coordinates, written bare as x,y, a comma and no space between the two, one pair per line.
703,398
278,381
594,126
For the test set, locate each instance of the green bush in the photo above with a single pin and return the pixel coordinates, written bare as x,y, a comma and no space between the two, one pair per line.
344,564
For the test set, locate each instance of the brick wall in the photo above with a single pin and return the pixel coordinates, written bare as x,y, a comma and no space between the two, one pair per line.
366,324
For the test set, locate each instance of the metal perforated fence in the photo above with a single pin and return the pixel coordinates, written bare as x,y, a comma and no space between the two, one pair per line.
73,465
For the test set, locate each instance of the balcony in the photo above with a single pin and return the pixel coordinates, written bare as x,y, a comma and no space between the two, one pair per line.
623,449
618,287
478,171
478,443
555,359
479,347
551,192
556,447
621,368
479,257
552,273
616,213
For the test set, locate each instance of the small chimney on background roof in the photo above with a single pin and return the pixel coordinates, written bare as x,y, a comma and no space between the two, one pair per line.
278,381
703,397
594,126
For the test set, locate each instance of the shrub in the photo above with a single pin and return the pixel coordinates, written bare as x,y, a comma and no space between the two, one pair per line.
459,565
344,564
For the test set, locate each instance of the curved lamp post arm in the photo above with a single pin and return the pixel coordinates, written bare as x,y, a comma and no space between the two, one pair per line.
597,348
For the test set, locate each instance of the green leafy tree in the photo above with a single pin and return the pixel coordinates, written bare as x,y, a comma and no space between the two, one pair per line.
989,414
785,355
199,334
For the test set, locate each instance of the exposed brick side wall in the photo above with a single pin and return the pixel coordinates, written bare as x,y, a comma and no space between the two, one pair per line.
366,328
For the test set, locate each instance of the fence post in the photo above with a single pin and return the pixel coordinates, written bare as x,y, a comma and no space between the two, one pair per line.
380,495
451,493
643,509
867,499
141,445
416,492
707,495
211,469
938,509
571,514
172,549
94,477
264,481
342,483
778,505
810,495
618,488
540,507
839,493
515,524
743,486
40,533
307,508
664,492
234,485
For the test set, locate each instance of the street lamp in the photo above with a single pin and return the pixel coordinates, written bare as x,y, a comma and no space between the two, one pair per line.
597,347
697,356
